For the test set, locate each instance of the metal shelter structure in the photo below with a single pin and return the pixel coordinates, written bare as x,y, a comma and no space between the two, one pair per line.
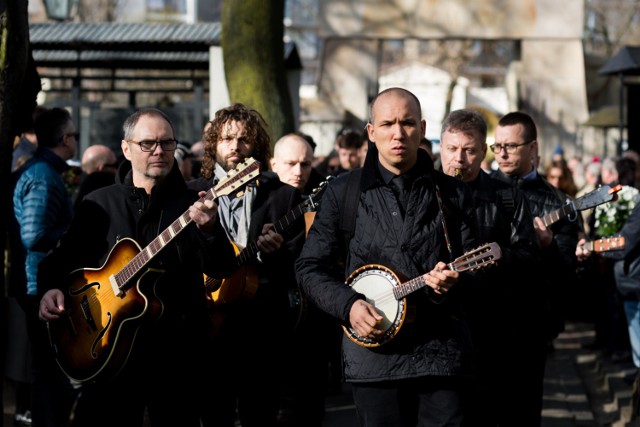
626,62
130,58
81,60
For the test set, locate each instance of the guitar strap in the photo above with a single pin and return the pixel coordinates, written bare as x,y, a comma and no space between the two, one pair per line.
350,200
505,197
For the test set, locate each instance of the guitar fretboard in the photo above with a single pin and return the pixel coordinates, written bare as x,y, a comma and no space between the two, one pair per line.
557,215
285,222
590,200
139,261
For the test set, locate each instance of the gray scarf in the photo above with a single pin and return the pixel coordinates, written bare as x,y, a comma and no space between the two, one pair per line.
235,212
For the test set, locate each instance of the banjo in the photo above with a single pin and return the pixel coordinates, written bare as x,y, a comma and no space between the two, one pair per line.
382,288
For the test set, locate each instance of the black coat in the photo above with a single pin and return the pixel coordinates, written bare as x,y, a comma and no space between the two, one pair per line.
436,342
169,352
559,257
112,213
626,269
273,202
504,217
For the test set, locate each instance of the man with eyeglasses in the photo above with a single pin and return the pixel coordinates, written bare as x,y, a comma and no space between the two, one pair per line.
503,216
252,362
516,151
42,213
164,303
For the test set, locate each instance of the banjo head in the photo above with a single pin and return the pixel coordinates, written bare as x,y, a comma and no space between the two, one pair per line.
376,283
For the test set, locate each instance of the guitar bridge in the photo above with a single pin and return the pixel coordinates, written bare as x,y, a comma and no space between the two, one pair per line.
114,285
86,311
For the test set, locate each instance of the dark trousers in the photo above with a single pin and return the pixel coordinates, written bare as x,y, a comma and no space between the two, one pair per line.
510,384
423,402
162,376
52,395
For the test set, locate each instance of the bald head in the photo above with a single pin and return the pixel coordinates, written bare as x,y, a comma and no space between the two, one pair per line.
96,157
292,158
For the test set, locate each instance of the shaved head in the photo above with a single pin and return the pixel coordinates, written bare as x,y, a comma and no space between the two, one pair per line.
292,158
96,157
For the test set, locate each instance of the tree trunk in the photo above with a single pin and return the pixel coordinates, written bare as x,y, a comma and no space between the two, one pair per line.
19,86
253,51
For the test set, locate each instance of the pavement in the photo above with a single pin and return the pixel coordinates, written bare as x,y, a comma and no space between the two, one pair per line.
587,387
583,387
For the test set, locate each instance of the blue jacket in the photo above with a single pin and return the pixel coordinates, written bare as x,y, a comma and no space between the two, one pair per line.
42,213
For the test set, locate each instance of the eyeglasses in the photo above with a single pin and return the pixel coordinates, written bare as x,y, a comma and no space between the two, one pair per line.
150,145
76,135
509,148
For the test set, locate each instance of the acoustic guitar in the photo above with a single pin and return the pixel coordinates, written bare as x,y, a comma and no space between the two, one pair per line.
385,291
243,284
105,306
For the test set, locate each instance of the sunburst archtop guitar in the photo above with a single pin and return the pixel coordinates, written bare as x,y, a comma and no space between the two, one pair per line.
384,290
106,306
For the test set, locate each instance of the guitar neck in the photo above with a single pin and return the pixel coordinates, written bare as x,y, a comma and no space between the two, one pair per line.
138,262
143,258
557,215
251,251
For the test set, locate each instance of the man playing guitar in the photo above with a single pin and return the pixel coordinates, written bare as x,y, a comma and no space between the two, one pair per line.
165,351
252,331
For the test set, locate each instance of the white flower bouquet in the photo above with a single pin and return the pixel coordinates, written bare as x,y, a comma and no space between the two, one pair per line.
611,216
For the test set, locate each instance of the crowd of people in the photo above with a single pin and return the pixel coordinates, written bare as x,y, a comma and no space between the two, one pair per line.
179,284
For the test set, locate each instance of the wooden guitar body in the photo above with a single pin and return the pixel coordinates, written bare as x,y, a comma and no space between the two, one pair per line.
105,306
96,335
241,285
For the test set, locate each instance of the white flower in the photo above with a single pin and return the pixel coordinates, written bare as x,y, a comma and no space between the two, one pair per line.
611,216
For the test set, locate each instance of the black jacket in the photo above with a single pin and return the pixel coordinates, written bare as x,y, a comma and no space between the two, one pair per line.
626,268
436,342
174,346
273,202
504,217
120,211
559,257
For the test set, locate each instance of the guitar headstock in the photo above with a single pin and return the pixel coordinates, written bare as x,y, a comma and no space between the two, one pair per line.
608,244
482,256
238,177
614,190
312,201
597,197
